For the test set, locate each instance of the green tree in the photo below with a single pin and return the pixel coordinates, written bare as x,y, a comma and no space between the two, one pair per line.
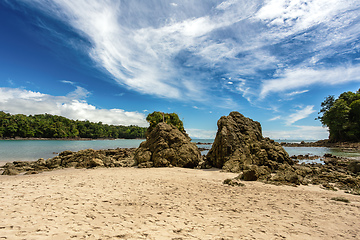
342,116
52,126
169,118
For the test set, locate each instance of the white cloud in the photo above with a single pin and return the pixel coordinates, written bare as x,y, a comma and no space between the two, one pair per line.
292,79
169,48
200,133
9,94
68,82
21,101
225,4
295,93
78,93
300,132
140,55
275,118
298,15
302,113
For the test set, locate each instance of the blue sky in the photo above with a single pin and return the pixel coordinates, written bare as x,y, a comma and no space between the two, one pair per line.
116,61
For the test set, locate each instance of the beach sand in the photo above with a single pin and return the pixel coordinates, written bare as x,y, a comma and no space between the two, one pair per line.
168,203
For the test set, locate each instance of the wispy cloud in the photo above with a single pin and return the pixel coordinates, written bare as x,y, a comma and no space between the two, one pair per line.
299,132
292,94
182,50
292,79
200,133
301,113
16,100
78,93
275,118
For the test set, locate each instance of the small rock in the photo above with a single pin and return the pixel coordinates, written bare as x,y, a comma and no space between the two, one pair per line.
250,175
10,171
233,182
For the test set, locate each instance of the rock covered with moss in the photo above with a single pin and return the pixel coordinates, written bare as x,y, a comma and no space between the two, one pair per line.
239,144
167,146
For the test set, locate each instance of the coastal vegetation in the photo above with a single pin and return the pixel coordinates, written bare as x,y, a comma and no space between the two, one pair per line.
169,118
342,116
53,126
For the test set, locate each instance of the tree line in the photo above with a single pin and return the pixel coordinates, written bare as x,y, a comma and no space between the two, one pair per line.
53,126
342,116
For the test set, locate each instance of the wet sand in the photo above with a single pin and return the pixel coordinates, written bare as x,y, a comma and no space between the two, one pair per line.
168,203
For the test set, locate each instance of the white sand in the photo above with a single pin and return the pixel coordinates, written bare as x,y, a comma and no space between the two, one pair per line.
168,203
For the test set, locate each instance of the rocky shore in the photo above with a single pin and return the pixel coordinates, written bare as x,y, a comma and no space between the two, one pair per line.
346,146
88,158
239,147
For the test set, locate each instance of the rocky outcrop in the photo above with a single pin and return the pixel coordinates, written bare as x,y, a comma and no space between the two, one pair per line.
239,143
347,146
336,173
167,146
240,147
89,158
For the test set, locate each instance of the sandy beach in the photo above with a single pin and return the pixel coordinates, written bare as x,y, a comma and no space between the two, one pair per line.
168,203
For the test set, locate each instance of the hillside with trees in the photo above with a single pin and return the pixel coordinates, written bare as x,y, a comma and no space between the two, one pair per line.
53,126
342,117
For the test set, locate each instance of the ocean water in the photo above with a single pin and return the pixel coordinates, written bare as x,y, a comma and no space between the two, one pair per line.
31,150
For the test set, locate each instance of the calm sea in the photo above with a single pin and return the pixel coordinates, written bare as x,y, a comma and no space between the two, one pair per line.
31,150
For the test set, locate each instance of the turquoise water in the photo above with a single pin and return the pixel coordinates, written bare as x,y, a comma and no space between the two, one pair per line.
31,150
311,151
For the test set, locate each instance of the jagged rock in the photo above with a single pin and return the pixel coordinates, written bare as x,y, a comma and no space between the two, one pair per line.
354,167
90,158
41,162
233,182
10,171
87,158
95,162
167,146
239,143
53,163
250,175
66,153
254,172
287,175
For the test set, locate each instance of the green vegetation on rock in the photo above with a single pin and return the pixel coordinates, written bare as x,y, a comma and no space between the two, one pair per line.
342,117
169,118
52,126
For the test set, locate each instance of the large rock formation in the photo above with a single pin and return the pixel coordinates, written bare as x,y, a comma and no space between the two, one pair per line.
239,144
167,146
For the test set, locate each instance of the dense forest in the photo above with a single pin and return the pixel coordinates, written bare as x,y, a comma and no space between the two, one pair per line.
52,126
342,117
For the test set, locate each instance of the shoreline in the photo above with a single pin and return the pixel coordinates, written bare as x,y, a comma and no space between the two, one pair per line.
355,146
67,139
320,143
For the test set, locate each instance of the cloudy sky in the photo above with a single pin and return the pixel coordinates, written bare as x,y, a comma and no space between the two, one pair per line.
115,61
